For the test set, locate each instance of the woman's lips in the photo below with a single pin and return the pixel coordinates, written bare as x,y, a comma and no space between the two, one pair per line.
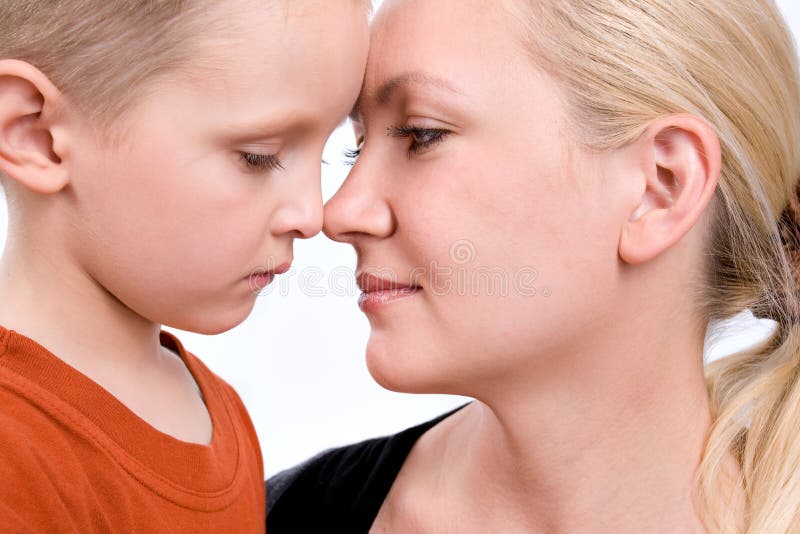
379,292
374,300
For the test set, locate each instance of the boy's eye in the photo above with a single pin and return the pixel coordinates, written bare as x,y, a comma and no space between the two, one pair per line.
261,161
422,139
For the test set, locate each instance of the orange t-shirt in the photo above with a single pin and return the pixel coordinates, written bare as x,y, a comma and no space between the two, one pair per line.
74,459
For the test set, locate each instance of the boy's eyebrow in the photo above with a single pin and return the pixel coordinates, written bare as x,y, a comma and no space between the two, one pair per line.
383,96
270,124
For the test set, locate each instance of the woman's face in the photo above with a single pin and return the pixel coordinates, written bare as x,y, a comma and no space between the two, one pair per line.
493,236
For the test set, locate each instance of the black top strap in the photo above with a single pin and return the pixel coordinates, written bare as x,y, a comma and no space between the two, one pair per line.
340,490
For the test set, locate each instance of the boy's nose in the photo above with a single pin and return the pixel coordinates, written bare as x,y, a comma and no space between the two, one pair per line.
301,215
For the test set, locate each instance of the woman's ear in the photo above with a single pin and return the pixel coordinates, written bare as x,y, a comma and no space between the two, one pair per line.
680,160
30,141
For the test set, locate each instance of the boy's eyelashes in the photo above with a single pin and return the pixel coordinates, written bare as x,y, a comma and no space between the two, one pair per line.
261,162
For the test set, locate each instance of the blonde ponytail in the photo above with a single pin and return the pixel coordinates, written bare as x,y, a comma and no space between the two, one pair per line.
622,64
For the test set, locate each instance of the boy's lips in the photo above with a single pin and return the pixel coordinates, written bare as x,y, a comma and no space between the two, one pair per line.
261,278
378,292
283,267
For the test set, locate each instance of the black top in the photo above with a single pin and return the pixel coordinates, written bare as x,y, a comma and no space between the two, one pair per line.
340,490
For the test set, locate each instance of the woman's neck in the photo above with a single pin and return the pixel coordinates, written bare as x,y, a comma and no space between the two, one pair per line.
603,444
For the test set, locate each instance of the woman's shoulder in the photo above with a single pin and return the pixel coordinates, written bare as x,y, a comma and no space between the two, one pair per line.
340,489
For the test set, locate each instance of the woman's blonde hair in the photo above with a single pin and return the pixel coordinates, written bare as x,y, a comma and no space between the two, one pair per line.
623,63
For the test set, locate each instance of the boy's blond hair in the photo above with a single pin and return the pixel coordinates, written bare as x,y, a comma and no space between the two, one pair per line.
96,51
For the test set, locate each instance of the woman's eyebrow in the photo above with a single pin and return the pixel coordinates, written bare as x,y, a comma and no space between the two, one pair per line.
387,89
392,85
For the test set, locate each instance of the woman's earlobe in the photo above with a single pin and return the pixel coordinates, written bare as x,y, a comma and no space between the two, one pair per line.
29,155
681,159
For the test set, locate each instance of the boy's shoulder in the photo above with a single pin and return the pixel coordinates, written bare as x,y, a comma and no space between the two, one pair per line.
22,420
31,417
32,463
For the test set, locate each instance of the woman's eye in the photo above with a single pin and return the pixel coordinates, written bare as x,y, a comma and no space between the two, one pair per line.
422,139
352,155
261,162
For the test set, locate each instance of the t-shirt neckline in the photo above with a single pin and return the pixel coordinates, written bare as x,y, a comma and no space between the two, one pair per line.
189,473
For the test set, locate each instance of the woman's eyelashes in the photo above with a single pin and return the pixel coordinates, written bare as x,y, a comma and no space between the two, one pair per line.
422,139
261,162
352,155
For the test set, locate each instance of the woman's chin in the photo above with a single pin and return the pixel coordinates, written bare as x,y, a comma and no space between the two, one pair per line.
402,368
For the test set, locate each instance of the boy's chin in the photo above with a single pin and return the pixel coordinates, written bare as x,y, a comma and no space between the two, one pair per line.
211,322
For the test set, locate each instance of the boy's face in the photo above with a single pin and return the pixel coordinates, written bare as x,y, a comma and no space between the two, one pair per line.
219,172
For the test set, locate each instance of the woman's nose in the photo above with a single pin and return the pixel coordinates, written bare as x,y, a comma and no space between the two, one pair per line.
360,208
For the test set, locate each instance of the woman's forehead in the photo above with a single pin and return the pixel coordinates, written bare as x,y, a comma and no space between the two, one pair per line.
443,44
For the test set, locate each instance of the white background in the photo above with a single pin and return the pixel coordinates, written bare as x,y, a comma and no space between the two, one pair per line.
298,363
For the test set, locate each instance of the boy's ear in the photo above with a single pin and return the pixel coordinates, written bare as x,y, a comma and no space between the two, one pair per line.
29,143
680,160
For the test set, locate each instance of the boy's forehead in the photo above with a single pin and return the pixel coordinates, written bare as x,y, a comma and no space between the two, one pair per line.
259,67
